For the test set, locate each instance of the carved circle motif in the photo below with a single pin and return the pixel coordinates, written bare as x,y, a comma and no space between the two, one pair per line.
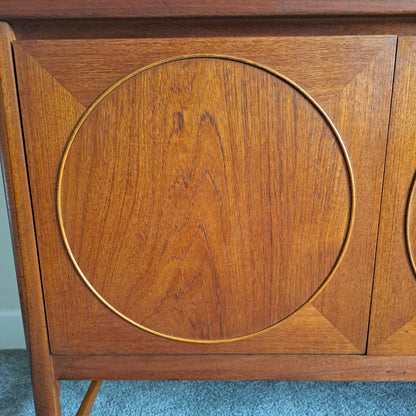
74,193
411,226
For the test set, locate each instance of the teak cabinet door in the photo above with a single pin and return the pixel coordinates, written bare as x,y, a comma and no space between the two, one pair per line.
213,195
393,316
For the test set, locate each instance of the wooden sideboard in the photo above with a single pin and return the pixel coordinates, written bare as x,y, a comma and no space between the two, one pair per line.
222,192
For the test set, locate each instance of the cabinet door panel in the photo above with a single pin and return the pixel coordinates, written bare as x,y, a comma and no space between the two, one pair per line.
208,201
393,316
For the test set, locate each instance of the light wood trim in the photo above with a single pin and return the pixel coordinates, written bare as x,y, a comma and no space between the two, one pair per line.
237,367
45,387
90,396
176,8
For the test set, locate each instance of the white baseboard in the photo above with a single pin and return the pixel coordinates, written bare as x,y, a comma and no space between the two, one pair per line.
11,330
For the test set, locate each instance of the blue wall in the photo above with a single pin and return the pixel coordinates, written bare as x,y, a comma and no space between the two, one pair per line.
11,328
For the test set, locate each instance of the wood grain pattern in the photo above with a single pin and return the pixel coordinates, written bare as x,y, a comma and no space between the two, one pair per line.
401,342
394,306
62,111
215,199
307,331
351,77
331,326
410,226
45,387
242,27
239,367
369,179
86,68
175,8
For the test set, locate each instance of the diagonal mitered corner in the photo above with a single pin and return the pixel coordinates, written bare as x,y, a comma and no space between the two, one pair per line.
402,342
307,331
323,66
374,76
47,83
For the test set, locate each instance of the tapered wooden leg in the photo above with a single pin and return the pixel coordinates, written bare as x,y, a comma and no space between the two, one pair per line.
89,398
46,393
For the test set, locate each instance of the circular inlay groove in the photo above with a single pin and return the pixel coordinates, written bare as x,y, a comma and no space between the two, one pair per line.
207,122
409,239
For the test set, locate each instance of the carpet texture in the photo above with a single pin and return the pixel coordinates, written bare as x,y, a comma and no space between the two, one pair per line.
209,397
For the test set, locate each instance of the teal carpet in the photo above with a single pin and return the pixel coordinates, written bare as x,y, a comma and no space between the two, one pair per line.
209,397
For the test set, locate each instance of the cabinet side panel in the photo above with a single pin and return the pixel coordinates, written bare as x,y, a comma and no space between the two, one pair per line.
393,318
46,388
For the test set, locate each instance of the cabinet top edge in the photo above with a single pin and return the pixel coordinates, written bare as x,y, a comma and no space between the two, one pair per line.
247,39
78,9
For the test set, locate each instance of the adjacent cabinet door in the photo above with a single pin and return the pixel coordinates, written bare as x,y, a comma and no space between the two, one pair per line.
393,317
213,195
